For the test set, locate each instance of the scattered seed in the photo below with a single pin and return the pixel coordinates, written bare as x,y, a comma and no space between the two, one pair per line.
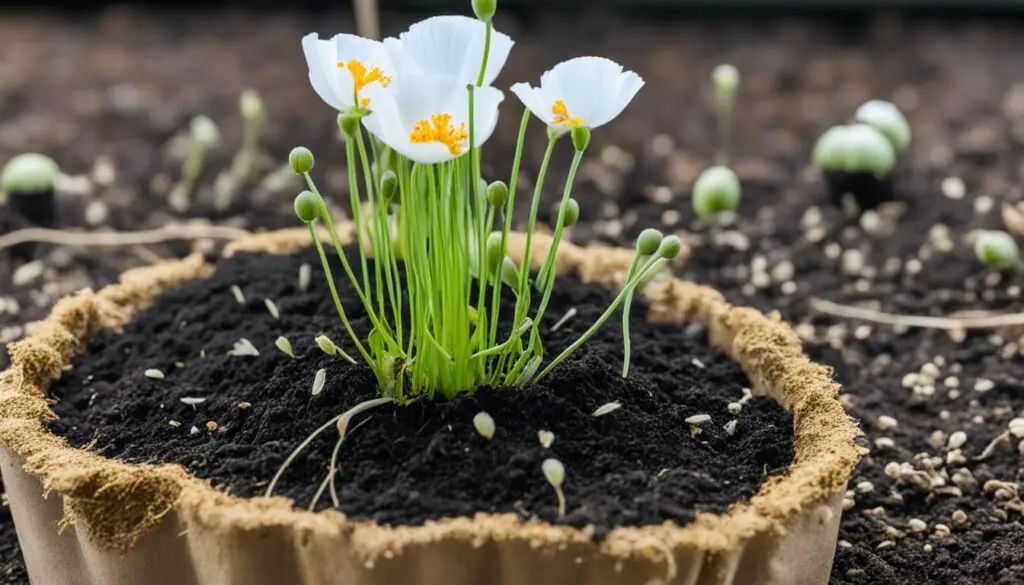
927,547
305,277
1016,427
244,405
319,379
565,318
884,443
606,408
730,427
697,419
892,470
244,347
546,438
239,295
285,346
953,188
941,531
865,487
27,273
211,426
272,308
191,401
917,525
484,424
885,544
734,407
957,440
697,363
848,504
154,374
886,422
983,385
959,517
193,431
993,444
174,423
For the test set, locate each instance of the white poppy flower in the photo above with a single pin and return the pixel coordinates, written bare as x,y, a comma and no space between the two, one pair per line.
343,67
449,45
427,121
585,91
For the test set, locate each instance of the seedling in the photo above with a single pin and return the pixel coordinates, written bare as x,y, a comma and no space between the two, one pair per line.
285,346
246,161
997,249
606,409
859,158
484,424
204,137
554,472
718,188
27,180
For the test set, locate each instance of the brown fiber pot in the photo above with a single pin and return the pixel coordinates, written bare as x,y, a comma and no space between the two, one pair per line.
83,519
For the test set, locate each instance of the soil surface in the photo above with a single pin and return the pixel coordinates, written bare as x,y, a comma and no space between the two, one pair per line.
641,464
124,83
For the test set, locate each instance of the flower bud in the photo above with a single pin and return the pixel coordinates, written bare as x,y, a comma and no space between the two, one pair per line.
726,79
648,241
388,185
301,160
28,173
497,193
509,273
251,106
887,119
580,138
204,132
997,249
494,251
485,9
349,124
307,206
857,148
716,190
572,212
670,247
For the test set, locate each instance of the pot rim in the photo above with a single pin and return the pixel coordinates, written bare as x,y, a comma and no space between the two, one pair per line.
118,502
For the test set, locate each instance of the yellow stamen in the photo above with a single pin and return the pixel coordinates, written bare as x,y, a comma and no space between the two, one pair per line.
562,116
361,77
440,129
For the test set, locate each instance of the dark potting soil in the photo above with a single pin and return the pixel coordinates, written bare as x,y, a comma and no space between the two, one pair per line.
12,567
641,464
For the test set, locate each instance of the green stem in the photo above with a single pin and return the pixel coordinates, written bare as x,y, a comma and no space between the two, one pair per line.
626,343
487,54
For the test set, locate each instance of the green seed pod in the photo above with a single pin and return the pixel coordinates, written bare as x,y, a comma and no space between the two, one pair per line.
349,124
204,132
572,212
726,79
497,193
301,160
251,106
388,185
307,206
485,9
28,173
494,251
580,138
997,249
887,119
648,241
670,247
716,190
509,272
857,148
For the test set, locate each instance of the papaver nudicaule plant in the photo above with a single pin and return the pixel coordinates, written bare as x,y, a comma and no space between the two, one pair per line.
415,112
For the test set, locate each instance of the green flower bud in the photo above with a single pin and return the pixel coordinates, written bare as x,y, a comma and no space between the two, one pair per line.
997,249
648,241
572,212
251,106
388,185
204,132
716,190
301,160
497,193
28,173
349,124
857,148
509,273
670,247
485,9
580,138
307,206
888,120
726,79
494,250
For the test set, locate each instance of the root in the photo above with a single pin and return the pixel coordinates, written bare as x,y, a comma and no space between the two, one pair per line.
987,321
118,239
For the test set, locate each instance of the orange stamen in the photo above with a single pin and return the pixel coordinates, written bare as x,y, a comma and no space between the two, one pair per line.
440,129
562,116
361,77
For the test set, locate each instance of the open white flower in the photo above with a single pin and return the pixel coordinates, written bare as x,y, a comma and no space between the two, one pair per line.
427,121
452,46
343,67
581,92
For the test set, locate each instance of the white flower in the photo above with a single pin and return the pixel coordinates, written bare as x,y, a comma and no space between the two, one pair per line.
585,91
449,45
343,67
427,121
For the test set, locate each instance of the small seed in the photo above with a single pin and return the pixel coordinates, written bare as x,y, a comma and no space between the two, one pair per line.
730,427
1016,427
239,295
546,438
305,276
272,308
927,547
154,374
606,409
865,487
917,525
957,440
734,407
190,401
941,530
959,517
174,423
983,385
884,443
193,431
886,422
244,405
211,426
319,379
892,469
244,347
697,419
484,425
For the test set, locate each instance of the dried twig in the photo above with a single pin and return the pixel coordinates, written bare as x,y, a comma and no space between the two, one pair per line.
988,321
110,239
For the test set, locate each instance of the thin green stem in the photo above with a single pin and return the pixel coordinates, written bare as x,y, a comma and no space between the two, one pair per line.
487,54
626,343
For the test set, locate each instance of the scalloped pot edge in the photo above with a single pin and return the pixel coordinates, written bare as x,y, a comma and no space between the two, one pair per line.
133,524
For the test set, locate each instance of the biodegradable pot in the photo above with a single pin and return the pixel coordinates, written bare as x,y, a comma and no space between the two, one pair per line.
83,519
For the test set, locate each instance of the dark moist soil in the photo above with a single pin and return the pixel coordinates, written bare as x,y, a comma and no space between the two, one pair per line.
639,465
125,82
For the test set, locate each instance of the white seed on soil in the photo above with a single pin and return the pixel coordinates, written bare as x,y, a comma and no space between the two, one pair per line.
174,423
192,401
955,458
194,431
734,407
953,188
957,440
927,547
730,427
546,438
244,347
892,470
1016,427
565,318
239,295
606,408
27,273
951,382
697,419
865,487
154,374
244,405
959,517
696,362
484,424
305,277
272,308
983,385
910,380
845,544
941,531
884,443
885,544
211,426
319,379
886,422
937,439
848,504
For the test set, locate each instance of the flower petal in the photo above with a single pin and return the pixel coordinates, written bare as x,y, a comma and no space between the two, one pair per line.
332,83
594,89
451,46
533,100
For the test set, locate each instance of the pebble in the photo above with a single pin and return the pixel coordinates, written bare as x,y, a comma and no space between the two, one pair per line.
96,213
734,407
892,470
154,374
28,273
941,531
953,188
865,487
697,419
959,517
1016,427
884,443
211,426
886,422
917,525
957,440
983,385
